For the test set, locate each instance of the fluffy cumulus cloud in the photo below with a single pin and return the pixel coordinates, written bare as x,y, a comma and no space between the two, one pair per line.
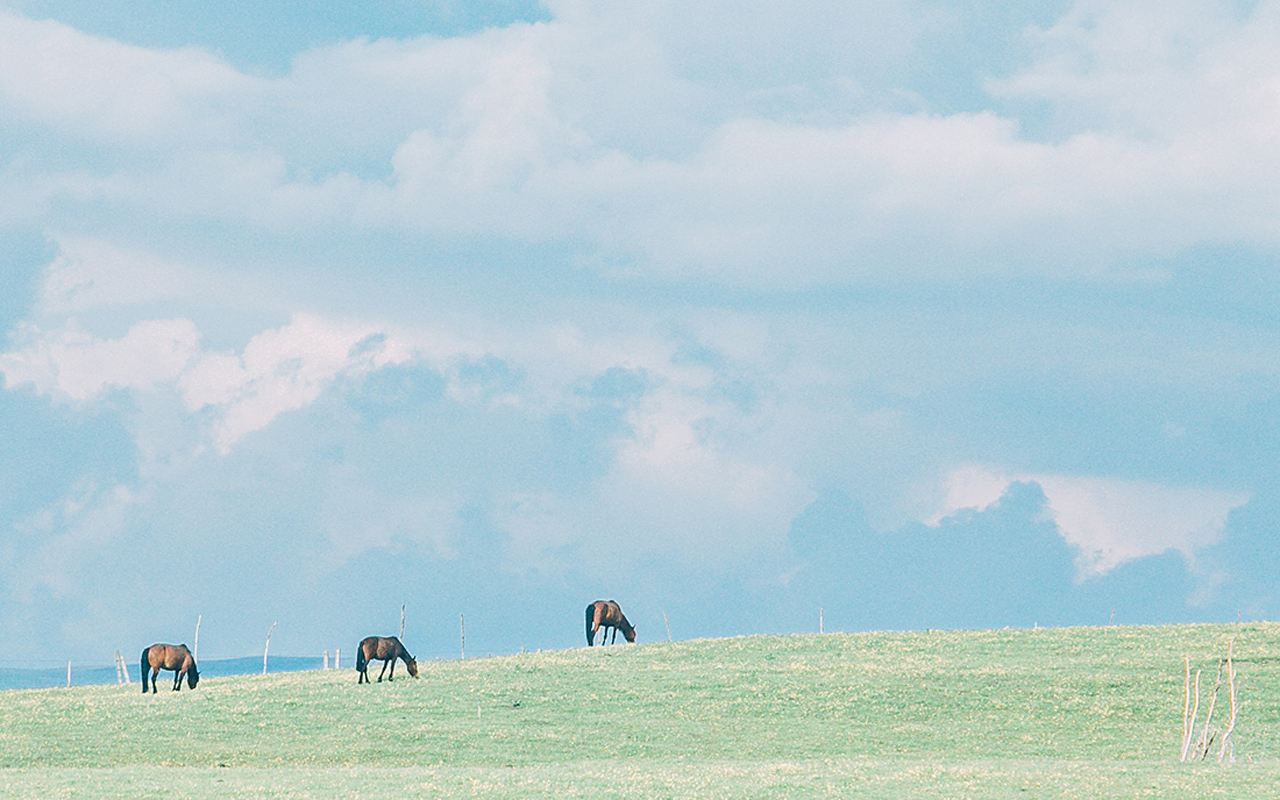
666,300
1108,520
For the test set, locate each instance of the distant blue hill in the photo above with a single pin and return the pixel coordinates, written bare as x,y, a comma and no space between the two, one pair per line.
11,678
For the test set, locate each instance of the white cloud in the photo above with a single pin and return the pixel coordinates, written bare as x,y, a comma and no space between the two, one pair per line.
279,370
1109,520
76,365
92,86
501,133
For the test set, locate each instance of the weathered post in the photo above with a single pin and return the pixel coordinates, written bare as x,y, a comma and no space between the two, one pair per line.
666,623
821,622
462,636
401,622
195,651
266,647
325,665
68,673
337,658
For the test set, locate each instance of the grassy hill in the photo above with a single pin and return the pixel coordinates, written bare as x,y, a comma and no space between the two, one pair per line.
1080,712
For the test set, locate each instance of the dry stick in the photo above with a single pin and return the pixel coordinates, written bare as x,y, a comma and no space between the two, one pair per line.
1186,706
402,622
267,647
462,636
666,623
1206,737
1227,745
195,653
1191,720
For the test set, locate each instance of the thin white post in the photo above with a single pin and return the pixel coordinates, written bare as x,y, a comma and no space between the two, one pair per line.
124,667
119,677
666,623
195,652
68,673
337,658
326,660
402,622
821,622
266,647
462,636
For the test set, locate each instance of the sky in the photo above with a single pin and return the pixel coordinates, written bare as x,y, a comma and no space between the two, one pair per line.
925,314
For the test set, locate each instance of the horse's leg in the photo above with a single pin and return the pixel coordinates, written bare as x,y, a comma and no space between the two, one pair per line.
392,676
155,673
177,680
384,671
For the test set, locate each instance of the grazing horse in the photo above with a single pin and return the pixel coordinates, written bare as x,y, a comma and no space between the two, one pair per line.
385,649
169,656
607,614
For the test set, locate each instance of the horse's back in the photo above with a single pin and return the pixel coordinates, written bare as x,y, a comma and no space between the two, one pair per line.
381,647
167,656
606,612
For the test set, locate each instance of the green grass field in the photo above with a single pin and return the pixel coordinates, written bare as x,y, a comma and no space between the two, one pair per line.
1081,712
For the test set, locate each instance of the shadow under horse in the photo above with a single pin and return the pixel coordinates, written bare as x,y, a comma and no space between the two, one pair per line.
385,649
169,656
608,614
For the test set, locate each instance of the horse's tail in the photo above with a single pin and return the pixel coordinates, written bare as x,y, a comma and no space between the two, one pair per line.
590,619
361,661
146,667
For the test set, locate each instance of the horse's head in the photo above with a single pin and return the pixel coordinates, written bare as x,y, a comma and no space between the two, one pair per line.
411,664
193,676
630,633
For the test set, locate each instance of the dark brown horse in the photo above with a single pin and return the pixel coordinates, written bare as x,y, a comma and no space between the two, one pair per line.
169,656
607,614
385,649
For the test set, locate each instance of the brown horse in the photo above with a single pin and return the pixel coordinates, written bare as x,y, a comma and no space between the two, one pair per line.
169,656
607,614
385,649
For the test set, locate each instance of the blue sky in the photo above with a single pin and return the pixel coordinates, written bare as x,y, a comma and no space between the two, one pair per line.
927,314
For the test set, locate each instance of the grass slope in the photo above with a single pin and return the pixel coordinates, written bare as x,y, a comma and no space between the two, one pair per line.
1081,712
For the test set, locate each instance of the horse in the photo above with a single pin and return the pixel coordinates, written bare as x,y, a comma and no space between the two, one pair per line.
169,656
385,649
607,614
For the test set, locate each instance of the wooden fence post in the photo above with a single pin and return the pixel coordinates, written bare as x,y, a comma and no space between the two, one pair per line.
337,658
325,665
462,636
68,673
666,623
401,622
267,647
195,652
821,621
